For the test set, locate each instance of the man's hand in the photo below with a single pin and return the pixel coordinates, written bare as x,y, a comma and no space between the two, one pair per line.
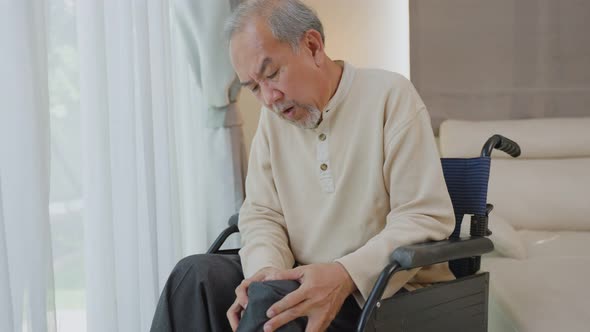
235,311
323,290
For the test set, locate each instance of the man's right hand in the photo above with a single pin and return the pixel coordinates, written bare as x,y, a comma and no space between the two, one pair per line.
234,313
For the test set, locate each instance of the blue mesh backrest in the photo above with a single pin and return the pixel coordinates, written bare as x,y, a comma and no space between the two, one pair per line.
467,182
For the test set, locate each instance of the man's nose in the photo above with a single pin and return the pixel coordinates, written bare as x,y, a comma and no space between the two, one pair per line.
270,95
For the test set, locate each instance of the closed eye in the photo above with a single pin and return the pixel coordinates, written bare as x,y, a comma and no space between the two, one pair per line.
273,75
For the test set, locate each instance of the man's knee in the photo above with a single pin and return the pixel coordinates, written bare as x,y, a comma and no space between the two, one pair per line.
262,295
191,265
205,268
199,261
198,292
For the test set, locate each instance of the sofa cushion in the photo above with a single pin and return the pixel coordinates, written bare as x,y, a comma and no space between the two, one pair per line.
566,244
538,138
551,194
541,294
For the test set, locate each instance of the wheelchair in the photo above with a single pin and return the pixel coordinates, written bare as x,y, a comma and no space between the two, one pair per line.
457,305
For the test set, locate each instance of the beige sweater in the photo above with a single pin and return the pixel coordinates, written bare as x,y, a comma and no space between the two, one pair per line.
366,181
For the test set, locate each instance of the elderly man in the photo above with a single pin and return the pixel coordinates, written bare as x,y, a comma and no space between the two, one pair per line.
343,169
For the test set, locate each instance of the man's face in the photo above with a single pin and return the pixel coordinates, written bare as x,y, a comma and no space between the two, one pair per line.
283,80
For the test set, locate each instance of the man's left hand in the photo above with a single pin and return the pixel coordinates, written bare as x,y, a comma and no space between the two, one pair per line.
323,290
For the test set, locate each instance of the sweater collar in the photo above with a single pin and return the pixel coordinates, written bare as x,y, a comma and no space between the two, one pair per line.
343,87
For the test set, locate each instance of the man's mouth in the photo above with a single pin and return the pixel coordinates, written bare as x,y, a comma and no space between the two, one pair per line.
288,111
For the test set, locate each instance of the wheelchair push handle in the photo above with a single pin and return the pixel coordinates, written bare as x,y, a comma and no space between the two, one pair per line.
501,143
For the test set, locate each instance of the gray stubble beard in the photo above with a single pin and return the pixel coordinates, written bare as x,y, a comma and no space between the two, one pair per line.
311,121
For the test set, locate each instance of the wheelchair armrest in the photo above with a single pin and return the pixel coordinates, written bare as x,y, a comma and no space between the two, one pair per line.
424,254
418,255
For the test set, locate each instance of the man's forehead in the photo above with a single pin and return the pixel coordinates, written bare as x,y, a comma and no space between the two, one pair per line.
253,43
251,40
252,58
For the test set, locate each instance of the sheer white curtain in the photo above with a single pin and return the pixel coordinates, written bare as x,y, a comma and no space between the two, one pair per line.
204,68
26,274
130,193
159,182
153,172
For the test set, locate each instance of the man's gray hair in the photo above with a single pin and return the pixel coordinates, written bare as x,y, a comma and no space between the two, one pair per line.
288,20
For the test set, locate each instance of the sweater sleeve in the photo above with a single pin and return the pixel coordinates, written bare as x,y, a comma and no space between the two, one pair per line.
421,208
262,225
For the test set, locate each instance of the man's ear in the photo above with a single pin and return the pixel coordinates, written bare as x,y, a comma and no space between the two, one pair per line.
312,42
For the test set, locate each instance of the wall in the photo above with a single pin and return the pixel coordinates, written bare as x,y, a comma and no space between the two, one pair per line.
367,33
500,60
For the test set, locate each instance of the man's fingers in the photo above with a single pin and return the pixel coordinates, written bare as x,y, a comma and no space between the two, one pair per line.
242,289
289,301
313,325
286,316
234,314
317,322
242,295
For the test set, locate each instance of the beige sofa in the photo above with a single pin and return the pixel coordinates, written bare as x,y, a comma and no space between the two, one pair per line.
540,270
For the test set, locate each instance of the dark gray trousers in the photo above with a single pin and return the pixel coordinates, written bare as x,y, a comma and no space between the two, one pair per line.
201,288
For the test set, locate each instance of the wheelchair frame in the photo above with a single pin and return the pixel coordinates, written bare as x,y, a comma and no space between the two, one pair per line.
460,304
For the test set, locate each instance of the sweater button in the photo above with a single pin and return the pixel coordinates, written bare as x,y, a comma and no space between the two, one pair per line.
322,137
323,167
